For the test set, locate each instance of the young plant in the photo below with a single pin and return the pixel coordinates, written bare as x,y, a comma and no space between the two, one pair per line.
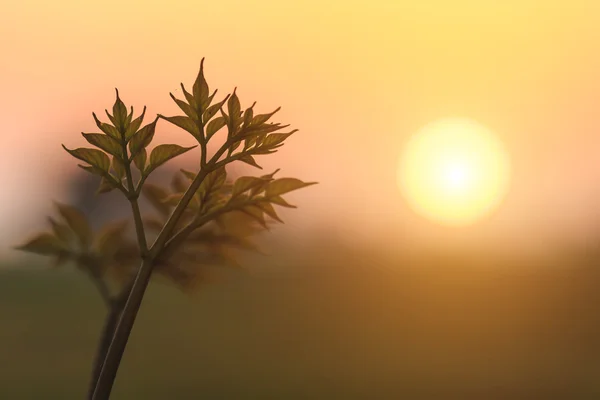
201,220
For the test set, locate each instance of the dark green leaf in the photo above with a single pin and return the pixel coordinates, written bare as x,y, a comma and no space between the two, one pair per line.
104,142
92,170
106,128
266,179
269,210
76,221
95,158
120,114
140,159
276,138
285,185
190,99
142,138
280,202
61,231
185,123
119,168
256,213
212,110
249,114
135,125
109,237
250,160
185,107
245,183
43,243
213,126
164,153
234,109
156,196
106,185
200,88
262,118
211,183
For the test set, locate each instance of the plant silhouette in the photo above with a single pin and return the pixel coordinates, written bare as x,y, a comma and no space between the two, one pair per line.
200,220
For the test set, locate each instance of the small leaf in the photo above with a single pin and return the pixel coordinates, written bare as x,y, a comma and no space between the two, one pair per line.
256,213
233,108
285,185
142,138
269,210
177,183
120,114
156,196
106,128
104,142
281,202
106,185
43,243
189,174
248,159
262,118
140,159
245,183
185,107
108,238
212,110
214,126
266,179
164,153
92,170
249,114
200,88
190,99
61,231
135,125
276,138
119,168
95,158
185,123
76,221
211,183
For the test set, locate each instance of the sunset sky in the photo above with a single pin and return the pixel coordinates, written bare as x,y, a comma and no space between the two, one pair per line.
357,78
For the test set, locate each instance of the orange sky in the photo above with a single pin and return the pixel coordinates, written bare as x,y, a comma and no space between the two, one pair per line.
357,78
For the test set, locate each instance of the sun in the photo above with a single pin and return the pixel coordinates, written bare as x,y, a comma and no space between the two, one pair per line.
454,172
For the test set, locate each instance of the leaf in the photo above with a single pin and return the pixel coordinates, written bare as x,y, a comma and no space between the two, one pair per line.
119,168
248,159
248,115
214,126
106,128
164,153
134,125
281,202
177,183
109,237
142,138
76,221
274,139
95,158
256,213
285,185
189,174
61,231
245,183
104,142
92,170
185,123
190,99
140,160
266,179
120,114
211,183
234,110
43,243
156,196
262,118
269,210
212,110
106,185
200,88
185,107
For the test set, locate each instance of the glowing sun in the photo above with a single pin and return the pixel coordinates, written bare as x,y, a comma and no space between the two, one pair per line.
454,172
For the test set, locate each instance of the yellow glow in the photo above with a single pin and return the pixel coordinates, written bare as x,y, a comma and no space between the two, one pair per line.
454,171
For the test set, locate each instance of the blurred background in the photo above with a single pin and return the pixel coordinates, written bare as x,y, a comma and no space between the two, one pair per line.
359,298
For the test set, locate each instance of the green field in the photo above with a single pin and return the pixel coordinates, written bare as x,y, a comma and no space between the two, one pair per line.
346,327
